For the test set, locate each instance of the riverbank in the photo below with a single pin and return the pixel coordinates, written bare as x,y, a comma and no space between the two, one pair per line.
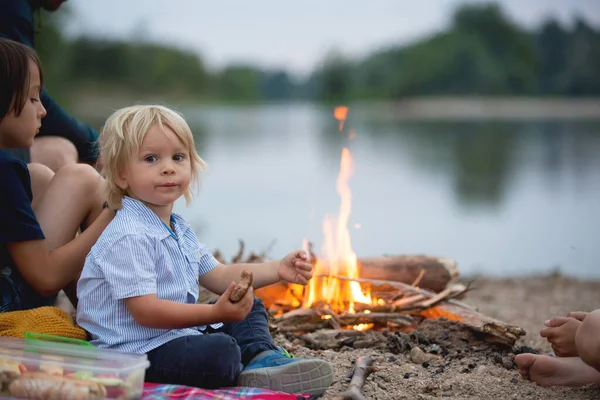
477,372
98,105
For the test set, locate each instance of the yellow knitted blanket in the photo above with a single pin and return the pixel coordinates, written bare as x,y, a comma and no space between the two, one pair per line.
47,320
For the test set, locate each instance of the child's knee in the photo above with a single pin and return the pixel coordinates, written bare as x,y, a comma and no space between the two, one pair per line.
80,176
587,339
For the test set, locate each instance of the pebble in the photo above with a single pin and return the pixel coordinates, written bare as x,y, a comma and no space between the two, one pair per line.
435,349
507,362
514,380
406,375
525,349
425,364
417,356
471,366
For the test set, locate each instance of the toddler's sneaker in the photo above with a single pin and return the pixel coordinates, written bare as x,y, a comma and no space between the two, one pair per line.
279,370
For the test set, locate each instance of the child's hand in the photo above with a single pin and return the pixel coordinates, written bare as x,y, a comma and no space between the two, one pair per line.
560,332
226,311
295,268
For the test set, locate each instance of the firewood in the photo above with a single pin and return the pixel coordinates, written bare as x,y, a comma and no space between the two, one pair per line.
418,279
361,370
435,274
495,331
437,271
450,290
407,301
402,286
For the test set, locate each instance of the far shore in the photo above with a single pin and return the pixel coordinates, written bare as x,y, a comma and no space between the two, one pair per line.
438,108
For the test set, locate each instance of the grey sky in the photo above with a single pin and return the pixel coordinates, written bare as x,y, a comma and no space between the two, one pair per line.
292,34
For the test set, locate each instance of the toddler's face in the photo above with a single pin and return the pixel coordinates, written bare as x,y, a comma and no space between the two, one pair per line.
160,173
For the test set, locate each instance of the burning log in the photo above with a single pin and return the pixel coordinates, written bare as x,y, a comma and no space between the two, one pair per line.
361,370
311,319
433,273
494,331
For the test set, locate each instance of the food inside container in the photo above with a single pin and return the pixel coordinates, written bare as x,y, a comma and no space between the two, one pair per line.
46,368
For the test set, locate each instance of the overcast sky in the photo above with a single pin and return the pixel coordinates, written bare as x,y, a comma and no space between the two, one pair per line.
292,34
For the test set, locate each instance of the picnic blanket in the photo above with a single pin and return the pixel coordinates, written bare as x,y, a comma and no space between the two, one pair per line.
153,391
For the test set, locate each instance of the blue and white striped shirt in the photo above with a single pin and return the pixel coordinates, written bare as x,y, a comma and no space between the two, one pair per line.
137,255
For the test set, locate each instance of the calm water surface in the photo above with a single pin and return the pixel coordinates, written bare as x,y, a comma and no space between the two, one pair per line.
505,198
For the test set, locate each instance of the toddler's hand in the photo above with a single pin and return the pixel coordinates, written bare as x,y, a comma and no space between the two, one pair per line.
560,332
226,311
295,268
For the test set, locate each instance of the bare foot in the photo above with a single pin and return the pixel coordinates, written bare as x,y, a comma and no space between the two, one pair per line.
551,371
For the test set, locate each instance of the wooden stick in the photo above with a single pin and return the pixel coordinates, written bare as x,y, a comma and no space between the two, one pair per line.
438,297
361,370
399,285
334,320
376,317
408,300
418,280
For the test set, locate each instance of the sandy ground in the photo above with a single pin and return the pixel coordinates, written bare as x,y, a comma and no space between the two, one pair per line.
470,369
467,368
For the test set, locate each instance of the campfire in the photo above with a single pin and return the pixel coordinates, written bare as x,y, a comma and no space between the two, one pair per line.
390,301
350,295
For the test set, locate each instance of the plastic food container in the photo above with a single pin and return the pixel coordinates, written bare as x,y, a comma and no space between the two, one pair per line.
47,367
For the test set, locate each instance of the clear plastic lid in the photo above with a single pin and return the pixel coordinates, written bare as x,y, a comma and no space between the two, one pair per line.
69,355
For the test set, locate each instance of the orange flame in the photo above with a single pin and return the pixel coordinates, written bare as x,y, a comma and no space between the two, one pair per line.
340,113
338,258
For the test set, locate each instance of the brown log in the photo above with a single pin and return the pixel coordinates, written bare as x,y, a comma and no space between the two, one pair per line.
495,331
437,273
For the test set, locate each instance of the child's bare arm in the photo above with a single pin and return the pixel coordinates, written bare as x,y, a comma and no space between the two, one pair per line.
152,312
292,268
218,278
48,272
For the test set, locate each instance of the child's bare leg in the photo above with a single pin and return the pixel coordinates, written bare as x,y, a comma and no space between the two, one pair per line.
53,151
41,176
72,201
587,340
553,371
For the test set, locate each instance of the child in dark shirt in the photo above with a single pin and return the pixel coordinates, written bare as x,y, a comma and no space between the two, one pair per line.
40,212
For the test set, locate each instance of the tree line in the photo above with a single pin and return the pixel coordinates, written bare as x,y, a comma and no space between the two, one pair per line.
483,52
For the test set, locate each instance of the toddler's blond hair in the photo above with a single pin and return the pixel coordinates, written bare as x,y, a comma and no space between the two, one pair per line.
120,141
